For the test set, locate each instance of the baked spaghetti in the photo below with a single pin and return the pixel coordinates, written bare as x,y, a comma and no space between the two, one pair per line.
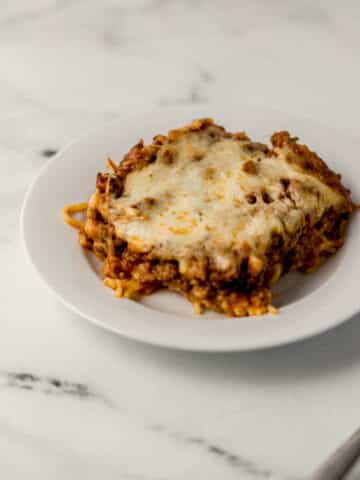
213,216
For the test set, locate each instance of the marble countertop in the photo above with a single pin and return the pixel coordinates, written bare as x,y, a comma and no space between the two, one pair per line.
77,402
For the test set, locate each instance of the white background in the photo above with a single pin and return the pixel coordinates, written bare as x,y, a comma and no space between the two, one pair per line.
142,413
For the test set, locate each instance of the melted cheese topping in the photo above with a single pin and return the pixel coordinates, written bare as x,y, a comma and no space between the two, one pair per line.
214,198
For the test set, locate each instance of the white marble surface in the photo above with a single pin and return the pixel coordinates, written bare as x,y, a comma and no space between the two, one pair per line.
76,402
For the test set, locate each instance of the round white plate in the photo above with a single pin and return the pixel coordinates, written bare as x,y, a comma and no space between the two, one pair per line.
309,304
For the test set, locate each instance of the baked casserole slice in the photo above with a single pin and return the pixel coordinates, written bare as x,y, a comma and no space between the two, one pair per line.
214,216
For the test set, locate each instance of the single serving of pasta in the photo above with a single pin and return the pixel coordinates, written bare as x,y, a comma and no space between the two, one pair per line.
213,216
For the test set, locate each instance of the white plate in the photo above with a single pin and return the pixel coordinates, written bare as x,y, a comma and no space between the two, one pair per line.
309,304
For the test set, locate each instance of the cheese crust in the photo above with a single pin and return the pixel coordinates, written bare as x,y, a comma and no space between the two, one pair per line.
215,216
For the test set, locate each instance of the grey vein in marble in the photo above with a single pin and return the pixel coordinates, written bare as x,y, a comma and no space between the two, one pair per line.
193,97
34,14
194,94
234,460
49,386
205,75
49,152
